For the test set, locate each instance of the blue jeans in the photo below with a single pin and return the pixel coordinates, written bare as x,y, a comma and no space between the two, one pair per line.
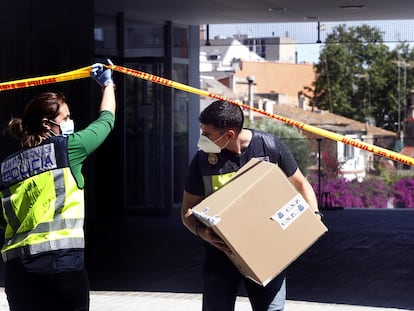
221,284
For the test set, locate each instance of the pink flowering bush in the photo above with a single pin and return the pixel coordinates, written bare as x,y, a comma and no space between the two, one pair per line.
404,193
371,193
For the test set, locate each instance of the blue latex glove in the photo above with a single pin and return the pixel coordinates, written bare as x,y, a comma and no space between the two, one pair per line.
101,75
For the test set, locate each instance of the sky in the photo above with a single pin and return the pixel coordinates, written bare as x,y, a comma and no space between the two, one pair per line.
306,34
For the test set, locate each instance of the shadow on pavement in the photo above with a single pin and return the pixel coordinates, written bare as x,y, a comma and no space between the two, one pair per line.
365,259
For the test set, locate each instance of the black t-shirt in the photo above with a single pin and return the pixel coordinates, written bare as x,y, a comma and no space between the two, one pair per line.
263,146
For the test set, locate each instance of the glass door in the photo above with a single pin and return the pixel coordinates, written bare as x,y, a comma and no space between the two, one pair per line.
146,147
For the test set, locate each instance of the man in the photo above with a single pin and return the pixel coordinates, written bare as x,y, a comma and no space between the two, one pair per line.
225,146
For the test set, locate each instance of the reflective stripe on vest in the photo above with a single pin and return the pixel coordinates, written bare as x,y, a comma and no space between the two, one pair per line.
46,228
38,248
215,182
44,212
13,221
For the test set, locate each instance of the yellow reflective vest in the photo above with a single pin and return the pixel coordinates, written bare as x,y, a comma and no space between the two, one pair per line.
42,204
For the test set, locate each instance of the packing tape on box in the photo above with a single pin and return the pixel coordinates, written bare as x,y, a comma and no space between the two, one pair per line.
206,219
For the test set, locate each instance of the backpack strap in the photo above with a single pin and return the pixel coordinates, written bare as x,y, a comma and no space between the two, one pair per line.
269,147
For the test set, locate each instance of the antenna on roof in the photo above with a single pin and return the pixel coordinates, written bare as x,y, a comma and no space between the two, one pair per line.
208,35
319,33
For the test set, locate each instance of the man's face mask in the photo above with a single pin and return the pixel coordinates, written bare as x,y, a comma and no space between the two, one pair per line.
209,146
66,127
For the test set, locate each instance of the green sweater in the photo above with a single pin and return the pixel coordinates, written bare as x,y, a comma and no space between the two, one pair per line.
81,144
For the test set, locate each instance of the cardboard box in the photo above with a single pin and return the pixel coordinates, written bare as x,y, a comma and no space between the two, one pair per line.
262,218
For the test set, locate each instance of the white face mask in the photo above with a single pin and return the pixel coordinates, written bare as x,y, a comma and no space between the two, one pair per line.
66,127
209,146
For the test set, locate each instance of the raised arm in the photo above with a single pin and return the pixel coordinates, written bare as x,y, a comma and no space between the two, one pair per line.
108,98
104,78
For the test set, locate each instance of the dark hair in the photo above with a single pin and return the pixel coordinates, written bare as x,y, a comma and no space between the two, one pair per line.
29,129
223,115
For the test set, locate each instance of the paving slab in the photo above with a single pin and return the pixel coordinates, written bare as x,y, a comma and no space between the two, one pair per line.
364,262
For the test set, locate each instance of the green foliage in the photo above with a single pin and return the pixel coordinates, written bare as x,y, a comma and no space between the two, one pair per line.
393,176
358,73
291,136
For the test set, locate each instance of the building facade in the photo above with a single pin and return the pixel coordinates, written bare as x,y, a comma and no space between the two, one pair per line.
136,170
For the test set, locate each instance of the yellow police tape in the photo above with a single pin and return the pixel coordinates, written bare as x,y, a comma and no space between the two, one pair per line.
85,72
313,129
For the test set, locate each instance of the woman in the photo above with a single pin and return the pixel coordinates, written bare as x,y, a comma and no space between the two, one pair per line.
41,190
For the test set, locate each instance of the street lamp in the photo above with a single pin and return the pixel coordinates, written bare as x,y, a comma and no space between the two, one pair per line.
366,77
250,80
401,64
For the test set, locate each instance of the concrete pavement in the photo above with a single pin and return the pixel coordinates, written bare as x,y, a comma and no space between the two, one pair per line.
147,301
365,262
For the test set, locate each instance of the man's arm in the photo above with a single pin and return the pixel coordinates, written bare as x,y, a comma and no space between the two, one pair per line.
195,226
305,189
187,217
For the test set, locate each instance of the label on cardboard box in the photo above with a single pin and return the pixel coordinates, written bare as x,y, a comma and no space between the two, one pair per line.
290,211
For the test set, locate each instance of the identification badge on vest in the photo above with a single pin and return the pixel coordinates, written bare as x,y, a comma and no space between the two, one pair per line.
212,158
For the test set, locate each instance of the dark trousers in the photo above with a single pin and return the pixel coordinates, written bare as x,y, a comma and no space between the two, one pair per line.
28,291
222,281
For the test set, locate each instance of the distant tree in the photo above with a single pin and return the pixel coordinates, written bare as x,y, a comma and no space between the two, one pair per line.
292,137
357,76
402,59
